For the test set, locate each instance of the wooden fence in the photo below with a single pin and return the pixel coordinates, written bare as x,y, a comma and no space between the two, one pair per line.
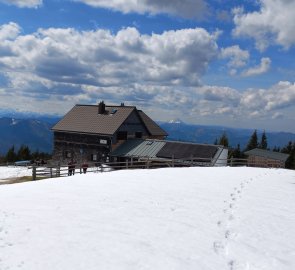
65,170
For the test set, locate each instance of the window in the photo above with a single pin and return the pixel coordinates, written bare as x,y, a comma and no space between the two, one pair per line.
94,157
102,141
138,135
122,135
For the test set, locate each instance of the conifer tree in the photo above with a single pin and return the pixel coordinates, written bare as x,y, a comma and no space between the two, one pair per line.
290,162
253,141
11,155
223,140
288,148
236,152
263,142
24,153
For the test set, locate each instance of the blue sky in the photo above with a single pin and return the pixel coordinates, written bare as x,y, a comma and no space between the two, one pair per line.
205,62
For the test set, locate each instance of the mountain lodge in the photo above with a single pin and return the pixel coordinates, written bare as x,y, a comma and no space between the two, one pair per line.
101,133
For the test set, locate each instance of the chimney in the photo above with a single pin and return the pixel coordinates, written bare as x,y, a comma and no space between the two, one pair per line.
122,104
101,108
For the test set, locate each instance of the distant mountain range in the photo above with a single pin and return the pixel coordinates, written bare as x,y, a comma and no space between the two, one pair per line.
35,133
31,132
180,131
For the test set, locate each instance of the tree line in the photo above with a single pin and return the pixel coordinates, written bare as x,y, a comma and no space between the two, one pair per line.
23,153
254,142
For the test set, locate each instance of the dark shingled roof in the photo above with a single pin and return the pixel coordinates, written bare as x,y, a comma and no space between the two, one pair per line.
180,150
85,119
267,154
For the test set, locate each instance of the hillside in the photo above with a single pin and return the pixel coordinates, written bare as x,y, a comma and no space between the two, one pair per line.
34,133
189,218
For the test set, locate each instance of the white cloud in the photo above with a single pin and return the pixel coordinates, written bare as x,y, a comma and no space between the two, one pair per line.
9,31
23,3
183,8
257,70
237,57
65,64
224,94
273,24
257,103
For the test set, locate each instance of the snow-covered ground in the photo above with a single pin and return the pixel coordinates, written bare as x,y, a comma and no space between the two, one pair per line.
14,171
185,218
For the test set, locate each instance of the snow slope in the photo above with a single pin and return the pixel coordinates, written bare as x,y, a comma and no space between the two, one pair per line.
185,218
13,171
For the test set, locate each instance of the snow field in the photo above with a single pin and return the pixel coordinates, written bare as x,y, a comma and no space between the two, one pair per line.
185,218
13,171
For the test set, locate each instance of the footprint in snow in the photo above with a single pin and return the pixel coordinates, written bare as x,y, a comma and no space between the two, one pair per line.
231,217
218,247
232,265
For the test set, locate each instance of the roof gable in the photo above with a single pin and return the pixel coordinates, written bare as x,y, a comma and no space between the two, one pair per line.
151,125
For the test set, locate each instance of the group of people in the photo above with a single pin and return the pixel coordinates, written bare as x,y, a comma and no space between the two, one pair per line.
72,167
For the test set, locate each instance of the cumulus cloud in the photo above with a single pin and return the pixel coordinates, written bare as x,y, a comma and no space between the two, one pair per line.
260,69
183,8
9,31
67,63
252,103
273,24
236,56
23,3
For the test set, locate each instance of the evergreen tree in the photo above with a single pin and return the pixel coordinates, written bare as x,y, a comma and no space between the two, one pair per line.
223,140
24,153
11,155
253,142
288,148
263,142
236,152
290,162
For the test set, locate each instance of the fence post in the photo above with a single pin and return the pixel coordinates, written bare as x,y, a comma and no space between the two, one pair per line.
231,161
127,163
50,172
172,160
34,173
58,171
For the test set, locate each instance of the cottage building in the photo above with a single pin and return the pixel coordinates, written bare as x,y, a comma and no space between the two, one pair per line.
92,132
264,158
